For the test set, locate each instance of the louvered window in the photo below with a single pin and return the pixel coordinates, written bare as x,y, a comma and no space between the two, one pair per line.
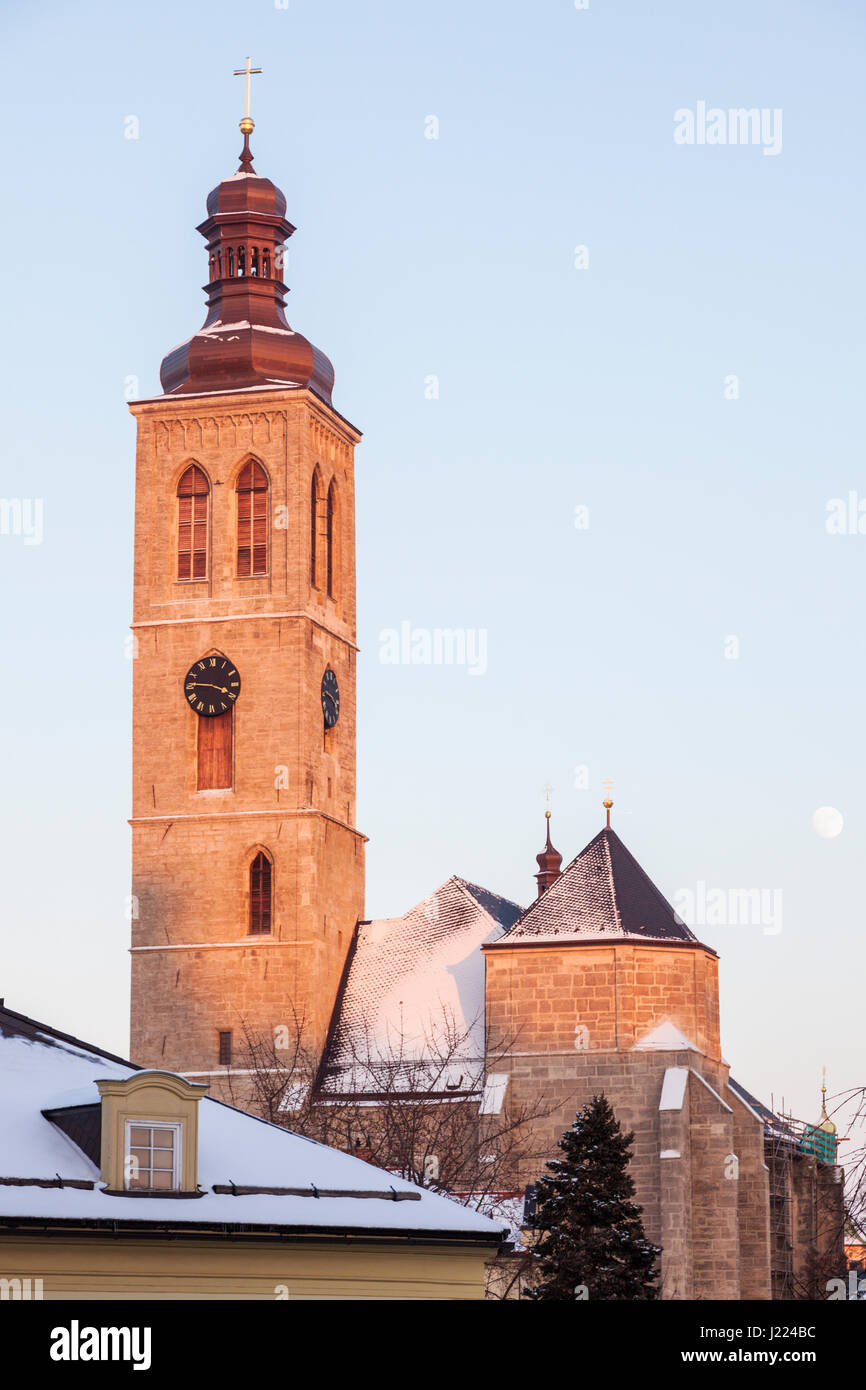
252,493
192,515
260,894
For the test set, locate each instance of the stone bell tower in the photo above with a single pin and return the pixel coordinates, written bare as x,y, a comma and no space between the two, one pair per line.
248,872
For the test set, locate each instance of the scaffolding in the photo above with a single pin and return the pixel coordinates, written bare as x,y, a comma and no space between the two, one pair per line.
786,1142
780,1146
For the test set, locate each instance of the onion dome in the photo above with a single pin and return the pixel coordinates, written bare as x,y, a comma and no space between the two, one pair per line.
825,1122
549,862
246,341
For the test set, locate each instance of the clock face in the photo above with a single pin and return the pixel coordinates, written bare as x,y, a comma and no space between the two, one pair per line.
330,699
211,686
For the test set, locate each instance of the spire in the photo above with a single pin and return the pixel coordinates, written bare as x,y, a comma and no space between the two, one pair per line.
825,1122
608,802
247,124
246,341
246,164
549,861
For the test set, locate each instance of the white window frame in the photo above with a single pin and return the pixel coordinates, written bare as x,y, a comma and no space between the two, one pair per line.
176,1127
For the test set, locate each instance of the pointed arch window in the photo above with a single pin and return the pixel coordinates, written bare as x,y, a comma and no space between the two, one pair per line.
314,529
331,534
193,495
252,491
261,896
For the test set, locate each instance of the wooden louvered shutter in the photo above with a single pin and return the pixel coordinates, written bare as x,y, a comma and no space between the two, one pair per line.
252,493
215,752
192,507
260,894
330,536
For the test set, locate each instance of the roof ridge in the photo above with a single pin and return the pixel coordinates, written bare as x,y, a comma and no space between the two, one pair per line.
606,833
467,886
46,1028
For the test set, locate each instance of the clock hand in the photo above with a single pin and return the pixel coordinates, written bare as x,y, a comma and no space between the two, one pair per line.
204,685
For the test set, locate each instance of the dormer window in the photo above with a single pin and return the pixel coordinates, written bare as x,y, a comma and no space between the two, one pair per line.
149,1135
152,1159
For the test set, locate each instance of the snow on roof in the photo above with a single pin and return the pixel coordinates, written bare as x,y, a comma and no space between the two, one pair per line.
665,1037
603,893
413,996
41,1069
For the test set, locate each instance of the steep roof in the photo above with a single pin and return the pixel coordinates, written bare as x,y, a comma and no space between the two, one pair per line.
42,1070
412,999
602,894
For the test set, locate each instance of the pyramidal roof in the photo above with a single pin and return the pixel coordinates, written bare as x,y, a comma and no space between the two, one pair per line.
602,894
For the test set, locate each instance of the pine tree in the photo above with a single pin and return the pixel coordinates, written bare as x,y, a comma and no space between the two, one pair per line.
592,1243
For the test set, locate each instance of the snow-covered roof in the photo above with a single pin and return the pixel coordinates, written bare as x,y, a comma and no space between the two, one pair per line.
412,1001
41,1069
603,894
665,1037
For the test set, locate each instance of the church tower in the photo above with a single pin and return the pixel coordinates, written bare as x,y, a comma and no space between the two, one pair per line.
248,872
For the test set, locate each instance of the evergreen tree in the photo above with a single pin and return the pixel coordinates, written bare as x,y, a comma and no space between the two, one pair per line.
591,1239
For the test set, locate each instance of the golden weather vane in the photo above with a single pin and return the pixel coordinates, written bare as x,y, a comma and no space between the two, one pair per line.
246,72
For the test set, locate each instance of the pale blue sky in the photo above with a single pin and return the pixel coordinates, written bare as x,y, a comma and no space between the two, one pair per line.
559,387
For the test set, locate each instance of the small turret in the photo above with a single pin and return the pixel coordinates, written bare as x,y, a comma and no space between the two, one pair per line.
549,862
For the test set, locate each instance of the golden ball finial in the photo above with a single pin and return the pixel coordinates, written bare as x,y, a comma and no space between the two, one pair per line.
247,125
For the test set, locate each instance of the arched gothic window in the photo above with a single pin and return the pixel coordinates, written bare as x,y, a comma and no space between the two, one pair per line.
331,533
252,491
315,491
261,875
193,493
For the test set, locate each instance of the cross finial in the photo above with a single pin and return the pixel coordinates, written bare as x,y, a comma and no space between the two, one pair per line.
608,798
246,72
547,789
247,124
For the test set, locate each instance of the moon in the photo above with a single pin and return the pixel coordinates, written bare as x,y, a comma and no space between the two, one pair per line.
827,822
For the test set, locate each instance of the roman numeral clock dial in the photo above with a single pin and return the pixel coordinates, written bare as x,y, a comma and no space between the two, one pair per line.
330,699
211,686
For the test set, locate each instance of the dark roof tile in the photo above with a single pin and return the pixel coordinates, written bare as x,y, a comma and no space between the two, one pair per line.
603,893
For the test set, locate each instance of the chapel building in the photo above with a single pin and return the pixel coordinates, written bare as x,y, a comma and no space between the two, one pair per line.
248,868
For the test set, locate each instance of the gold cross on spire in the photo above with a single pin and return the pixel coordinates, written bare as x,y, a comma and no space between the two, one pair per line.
246,72
608,797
